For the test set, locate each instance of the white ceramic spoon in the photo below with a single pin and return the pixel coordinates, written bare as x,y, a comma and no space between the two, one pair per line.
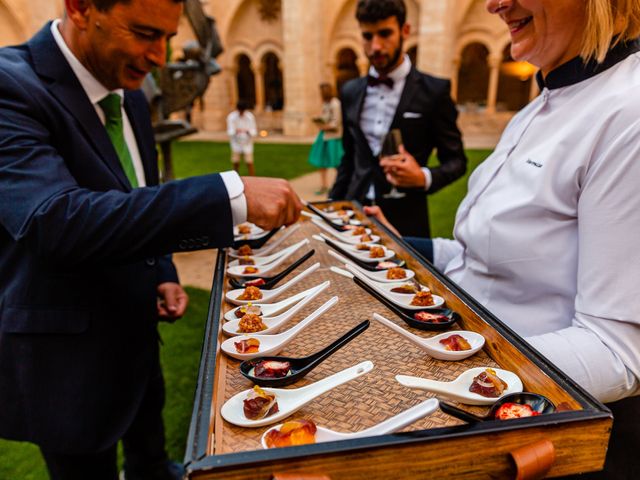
400,299
267,248
337,220
269,296
347,236
458,389
380,276
273,324
273,309
432,345
350,247
363,255
255,230
263,269
393,424
265,259
289,400
273,344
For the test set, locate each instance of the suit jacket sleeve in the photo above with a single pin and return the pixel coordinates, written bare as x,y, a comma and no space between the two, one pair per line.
45,207
345,170
450,151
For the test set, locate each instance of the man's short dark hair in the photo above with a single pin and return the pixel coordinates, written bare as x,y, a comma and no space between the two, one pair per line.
372,11
106,5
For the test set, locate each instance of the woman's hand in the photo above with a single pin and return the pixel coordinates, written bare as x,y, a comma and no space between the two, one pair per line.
376,212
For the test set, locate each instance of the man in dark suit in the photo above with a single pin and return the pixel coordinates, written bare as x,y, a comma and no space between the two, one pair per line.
85,233
396,96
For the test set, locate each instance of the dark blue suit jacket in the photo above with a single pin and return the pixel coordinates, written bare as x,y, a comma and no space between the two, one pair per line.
81,255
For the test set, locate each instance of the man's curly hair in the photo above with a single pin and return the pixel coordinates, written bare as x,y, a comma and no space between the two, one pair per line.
372,11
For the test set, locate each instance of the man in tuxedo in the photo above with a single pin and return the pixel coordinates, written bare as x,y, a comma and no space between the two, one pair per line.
85,238
396,96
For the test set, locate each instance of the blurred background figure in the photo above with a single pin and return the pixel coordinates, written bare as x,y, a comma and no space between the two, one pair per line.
241,128
326,151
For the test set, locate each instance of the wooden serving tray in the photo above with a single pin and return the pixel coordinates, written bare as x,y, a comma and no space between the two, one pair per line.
435,447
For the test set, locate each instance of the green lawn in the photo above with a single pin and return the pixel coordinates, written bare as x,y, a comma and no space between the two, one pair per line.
271,160
182,340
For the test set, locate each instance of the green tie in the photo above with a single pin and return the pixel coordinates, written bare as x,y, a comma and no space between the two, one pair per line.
113,123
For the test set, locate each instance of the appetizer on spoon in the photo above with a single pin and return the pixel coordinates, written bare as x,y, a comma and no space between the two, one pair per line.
509,407
252,323
476,386
453,346
254,294
257,408
246,347
284,435
281,371
234,253
267,283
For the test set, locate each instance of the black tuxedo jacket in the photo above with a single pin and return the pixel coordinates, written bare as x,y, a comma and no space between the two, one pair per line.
81,255
426,116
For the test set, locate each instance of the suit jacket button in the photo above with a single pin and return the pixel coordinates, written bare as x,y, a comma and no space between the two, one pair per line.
150,261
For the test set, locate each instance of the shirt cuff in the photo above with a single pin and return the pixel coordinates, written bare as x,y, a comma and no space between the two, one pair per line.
235,189
427,177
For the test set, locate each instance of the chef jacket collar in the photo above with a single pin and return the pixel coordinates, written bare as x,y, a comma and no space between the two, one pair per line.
575,70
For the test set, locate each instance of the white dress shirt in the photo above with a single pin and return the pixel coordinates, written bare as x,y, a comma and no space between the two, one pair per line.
96,92
379,108
547,236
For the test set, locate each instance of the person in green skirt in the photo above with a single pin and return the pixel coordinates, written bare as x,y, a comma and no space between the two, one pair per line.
326,151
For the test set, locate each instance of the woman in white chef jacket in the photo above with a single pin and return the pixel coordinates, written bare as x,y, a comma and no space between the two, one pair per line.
547,236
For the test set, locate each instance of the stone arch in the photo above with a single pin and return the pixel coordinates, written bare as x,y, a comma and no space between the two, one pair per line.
245,79
346,61
272,77
473,74
514,91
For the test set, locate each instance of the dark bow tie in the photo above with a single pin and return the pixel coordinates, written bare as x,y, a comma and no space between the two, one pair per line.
375,81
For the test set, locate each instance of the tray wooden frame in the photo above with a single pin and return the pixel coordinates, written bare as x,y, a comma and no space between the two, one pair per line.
580,435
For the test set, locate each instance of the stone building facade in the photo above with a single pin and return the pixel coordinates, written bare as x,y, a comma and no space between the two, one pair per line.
278,51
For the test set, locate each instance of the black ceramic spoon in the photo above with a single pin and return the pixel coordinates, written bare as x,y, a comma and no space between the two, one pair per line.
538,403
300,366
255,242
366,265
270,282
407,315
326,218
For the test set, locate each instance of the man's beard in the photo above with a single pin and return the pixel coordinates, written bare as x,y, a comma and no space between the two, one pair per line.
393,60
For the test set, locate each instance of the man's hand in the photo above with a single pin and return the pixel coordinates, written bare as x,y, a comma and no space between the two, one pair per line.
271,202
172,301
402,170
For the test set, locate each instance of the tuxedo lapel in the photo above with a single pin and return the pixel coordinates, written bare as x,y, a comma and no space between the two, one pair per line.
49,62
411,87
354,109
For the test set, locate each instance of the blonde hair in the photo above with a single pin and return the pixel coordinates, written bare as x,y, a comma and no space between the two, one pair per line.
606,19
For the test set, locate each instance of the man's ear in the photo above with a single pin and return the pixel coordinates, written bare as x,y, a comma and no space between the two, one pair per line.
406,30
78,11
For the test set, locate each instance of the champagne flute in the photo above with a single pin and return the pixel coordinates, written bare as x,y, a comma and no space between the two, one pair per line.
390,147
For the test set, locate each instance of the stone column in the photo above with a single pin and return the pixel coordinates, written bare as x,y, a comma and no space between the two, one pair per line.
258,73
455,73
304,64
363,64
494,76
436,36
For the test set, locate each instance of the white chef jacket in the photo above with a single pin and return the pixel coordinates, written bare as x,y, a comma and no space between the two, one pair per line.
548,235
